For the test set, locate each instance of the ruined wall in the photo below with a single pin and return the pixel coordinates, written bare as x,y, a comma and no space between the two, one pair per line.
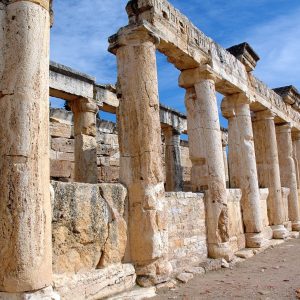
88,226
62,148
187,229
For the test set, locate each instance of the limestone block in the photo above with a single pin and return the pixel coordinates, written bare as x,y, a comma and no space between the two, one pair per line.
43,294
89,229
63,145
96,284
60,168
108,174
65,156
59,129
264,193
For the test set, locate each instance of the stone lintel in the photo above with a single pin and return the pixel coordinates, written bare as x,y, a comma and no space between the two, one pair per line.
133,35
245,53
188,78
290,95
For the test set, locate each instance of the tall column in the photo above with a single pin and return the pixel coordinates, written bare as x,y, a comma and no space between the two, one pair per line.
140,153
224,147
296,154
288,171
85,111
206,154
268,169
25,208
242,165
173,160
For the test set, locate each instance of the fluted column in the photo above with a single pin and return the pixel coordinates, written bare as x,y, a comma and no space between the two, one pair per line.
242,165
288,171
85,111
206,154
140,153
268,169
25,208
172,160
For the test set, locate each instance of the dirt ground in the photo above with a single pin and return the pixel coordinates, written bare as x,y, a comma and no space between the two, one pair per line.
273,274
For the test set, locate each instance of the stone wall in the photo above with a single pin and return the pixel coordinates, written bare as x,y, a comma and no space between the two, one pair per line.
187,229
88,226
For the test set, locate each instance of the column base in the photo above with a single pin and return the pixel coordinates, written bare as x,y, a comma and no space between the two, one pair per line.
154,273
280,232
255,240
44,294
220,250
288,225
296,226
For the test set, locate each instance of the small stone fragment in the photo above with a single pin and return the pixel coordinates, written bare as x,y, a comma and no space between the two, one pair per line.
185,277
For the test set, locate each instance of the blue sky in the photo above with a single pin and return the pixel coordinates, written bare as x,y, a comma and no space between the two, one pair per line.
272,27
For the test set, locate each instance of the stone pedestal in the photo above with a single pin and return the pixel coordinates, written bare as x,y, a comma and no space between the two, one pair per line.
268,169
242,165
85,111
140,154
206,154
172,160
25,209
288,172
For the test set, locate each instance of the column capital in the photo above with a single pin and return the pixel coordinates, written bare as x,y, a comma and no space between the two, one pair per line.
284,128
43,3
188,78
263,115
235,104
132,35
84,105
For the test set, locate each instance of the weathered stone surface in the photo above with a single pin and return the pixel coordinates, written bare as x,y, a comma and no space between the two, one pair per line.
187,229
95,284
241,153
244,253
44,294
140,155
89,229
59,129
63,145
25,212
60,169
137,293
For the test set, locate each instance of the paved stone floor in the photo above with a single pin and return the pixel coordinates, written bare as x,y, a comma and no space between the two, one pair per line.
273,274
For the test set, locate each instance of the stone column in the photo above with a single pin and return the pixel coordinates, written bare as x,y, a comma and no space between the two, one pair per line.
25,208
85,111
206,154
288,171
224,147
242,165
140,153
296,154
172,160
268,169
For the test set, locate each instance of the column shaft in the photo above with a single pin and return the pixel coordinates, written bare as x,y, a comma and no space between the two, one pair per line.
173,160
25,208
242,165
268,169
288,172
224,148
296,155
85,130
206,154
140,156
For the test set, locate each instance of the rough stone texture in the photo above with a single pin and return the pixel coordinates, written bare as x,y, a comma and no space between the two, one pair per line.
241,153
206,154
89,229
236,226
288,172
268,168
140,156
96,284
187,229
25,222
44,294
